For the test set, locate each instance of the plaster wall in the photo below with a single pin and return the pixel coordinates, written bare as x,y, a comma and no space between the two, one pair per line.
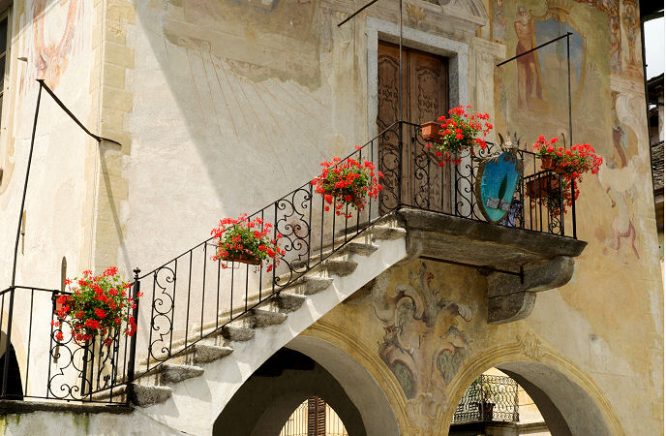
60,43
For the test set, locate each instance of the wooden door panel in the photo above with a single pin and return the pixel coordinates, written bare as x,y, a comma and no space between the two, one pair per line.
388,67
425,94
430,185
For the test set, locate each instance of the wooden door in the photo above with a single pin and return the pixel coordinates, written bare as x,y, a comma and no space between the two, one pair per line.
425,97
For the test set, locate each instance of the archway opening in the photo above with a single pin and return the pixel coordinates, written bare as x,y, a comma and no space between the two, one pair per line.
567,401
267,400
314,417
496,403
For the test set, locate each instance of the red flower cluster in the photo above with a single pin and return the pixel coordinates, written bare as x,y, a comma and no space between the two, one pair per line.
347,182
98,306
459,130
570,163
244,240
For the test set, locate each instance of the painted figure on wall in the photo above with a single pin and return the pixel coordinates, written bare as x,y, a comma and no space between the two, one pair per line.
499,21
529,74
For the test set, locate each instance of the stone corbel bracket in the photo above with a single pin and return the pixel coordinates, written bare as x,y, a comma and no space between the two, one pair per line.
509,299
547,260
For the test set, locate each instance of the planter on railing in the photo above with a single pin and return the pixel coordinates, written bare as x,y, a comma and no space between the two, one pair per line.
455,132
247,241
430,131
546,184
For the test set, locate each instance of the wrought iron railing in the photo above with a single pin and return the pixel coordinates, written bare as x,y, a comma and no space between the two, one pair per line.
657,161
41,360
191,297
490,398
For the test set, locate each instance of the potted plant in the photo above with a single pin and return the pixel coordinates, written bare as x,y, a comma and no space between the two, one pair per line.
491,397
98,306
542,185
246,241
571,164
457,131
347,182
430,131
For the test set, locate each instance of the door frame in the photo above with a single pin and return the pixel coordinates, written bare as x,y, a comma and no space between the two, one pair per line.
457,53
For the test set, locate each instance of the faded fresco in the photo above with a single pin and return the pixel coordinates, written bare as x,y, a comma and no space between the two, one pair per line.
604,71
418,319
412,312
53,45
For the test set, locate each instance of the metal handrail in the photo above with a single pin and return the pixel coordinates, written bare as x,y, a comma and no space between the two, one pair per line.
191,298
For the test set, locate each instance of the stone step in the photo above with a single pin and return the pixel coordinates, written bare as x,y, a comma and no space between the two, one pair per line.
146,396
264,318
312,285
349,248
174,373
339,267
238,331
387,232
360,248
205,353
288,302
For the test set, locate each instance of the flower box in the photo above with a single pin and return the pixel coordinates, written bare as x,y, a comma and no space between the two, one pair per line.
98,306
548,164
542,186
250,260
455,132
345,183
246,240
59,301
430,131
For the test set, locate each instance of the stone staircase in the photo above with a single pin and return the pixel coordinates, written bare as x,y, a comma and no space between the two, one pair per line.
199,381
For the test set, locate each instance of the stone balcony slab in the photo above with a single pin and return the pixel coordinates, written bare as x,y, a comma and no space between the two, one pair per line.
517,262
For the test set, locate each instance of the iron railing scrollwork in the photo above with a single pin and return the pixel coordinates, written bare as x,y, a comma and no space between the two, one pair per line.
490,398
191,297
41,360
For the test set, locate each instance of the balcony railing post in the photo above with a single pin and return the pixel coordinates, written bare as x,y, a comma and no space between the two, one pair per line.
10,316
401,162
573,208
136,288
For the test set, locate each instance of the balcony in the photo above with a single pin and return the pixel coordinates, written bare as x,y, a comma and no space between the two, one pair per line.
491,401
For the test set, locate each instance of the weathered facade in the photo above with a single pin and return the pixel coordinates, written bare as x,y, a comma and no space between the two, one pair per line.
222,106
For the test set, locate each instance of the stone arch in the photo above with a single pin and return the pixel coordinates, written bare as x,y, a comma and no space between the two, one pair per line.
266,400
360,386
569,400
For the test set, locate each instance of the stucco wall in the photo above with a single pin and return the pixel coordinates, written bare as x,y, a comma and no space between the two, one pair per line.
59,43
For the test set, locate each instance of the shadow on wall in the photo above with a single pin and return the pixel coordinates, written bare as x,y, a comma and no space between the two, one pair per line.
265,402
228,98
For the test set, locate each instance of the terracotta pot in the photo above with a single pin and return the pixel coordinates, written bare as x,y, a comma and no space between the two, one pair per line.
548,164
430,131
250,260
57,305
542,186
